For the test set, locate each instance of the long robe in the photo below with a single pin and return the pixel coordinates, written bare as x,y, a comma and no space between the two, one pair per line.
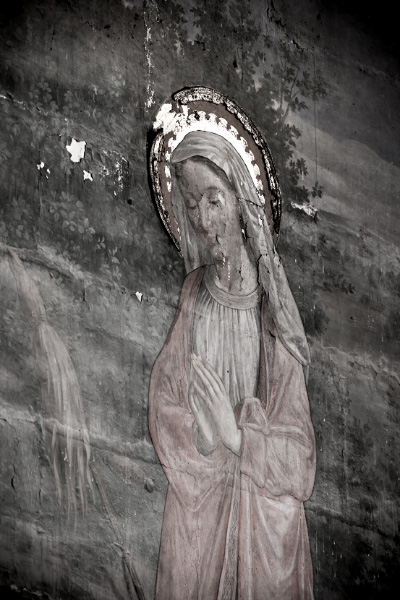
234,527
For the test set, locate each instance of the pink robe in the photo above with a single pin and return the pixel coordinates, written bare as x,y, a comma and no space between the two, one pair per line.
234,527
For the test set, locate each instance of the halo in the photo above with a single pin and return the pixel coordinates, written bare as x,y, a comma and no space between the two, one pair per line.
205,109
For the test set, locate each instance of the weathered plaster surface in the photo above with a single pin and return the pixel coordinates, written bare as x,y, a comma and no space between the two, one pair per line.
110,277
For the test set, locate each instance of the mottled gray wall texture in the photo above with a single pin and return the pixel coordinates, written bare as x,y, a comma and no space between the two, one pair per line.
323,88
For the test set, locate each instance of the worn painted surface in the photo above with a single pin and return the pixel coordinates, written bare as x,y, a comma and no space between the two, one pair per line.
97,72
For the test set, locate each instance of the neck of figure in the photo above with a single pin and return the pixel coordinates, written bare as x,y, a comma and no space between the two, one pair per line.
235,272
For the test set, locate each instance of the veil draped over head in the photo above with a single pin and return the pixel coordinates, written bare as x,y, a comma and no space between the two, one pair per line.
271,273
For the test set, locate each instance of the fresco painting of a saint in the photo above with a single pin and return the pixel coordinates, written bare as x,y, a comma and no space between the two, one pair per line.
228,410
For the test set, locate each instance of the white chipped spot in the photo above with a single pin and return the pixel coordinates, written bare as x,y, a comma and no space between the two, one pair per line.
76,150
260,221
40,165
139,296
87,175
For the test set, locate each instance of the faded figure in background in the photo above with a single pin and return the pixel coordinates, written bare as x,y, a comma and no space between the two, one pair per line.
229,413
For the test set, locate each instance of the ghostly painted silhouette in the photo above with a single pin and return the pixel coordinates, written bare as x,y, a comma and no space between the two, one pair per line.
229,414
63,419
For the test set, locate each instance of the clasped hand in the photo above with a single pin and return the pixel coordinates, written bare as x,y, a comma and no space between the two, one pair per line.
212,409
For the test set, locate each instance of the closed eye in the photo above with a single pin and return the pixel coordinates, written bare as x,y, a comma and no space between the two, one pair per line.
214,197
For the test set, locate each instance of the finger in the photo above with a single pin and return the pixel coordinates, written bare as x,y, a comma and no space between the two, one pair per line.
223,394
208,380
193,399
214,375
204,374
202,385
192,402
206,364
203,396
202,400
200,412
197,403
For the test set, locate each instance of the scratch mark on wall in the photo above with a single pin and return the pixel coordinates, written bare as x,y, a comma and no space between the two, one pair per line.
311,211
11,98
131,4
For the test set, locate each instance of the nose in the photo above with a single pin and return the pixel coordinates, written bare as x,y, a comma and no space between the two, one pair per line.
203,216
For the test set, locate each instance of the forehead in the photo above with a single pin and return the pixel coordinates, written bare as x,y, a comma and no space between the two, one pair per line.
202,172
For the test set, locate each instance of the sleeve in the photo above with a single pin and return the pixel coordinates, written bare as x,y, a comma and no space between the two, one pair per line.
278,444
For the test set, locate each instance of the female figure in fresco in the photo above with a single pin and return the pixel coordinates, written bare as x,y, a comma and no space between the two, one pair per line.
229,414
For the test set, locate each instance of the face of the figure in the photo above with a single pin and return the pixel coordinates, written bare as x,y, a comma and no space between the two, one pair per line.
211,204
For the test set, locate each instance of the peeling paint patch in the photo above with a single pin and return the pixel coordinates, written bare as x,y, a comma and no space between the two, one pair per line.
76,150
311,211
40,167
87,175
139,296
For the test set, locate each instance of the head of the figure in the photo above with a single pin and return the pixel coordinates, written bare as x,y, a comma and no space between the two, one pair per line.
211,204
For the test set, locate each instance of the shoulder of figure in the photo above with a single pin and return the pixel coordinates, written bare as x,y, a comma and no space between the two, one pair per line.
191,283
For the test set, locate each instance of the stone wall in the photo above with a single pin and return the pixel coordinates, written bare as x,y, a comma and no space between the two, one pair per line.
323,87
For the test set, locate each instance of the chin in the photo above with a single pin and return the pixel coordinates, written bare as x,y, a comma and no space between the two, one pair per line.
217,254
